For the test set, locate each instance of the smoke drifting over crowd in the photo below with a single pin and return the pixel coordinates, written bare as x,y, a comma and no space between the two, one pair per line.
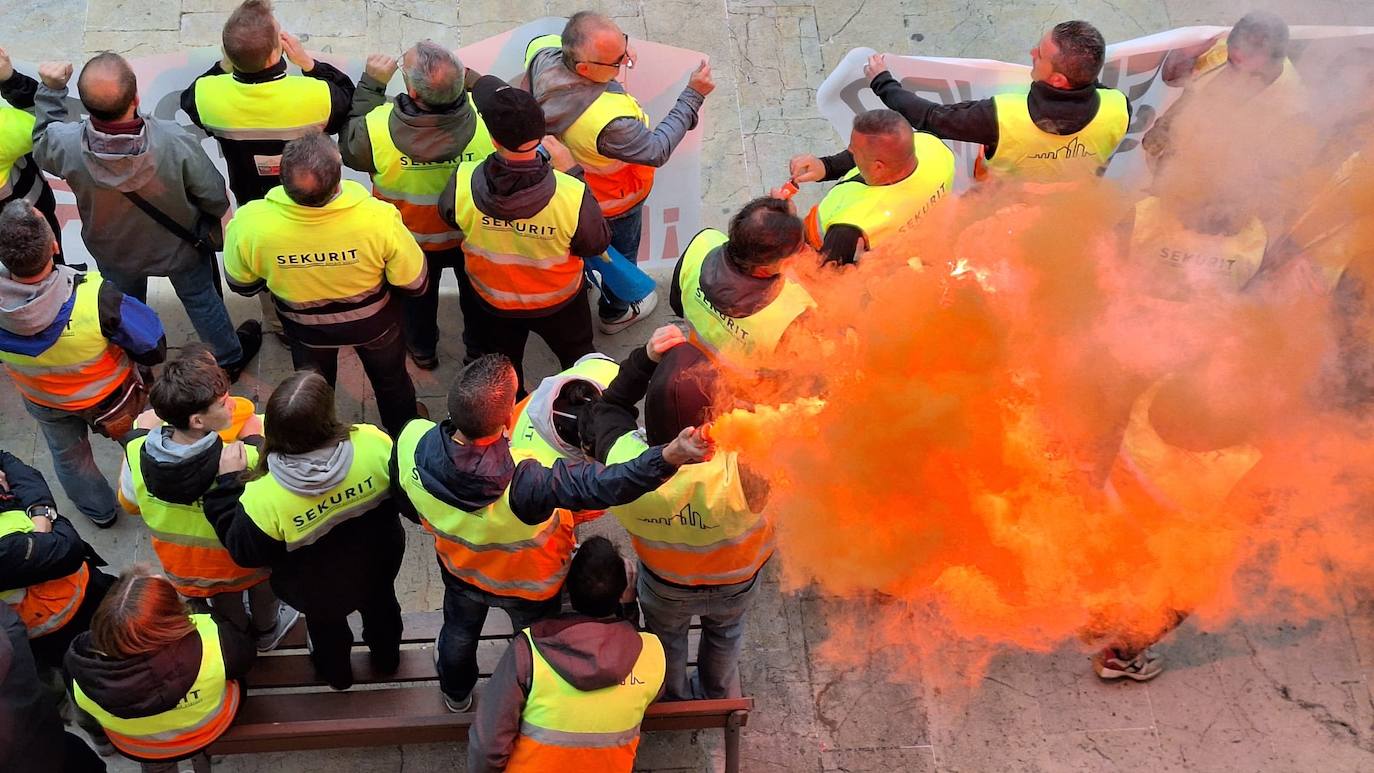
1032,433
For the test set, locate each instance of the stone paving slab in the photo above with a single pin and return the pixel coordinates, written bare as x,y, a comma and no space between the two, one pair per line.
1251,697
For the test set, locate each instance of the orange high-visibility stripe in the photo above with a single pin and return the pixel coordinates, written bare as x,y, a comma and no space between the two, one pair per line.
722,563
516,283
533,570
47,606
424,223
189,568
73,388
187,742
620,190
531,756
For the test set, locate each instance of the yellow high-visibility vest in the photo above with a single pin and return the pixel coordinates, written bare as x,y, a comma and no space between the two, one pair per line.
414,186
563,728
83,367
1027,152
192,557
205,712
299,520
697,528
733,340
526,264
881,210
489,548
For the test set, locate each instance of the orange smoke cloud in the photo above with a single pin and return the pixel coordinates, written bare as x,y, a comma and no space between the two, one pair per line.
964,472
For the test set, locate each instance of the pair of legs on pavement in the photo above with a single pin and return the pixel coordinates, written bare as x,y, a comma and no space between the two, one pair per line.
201,295
384,361
668,612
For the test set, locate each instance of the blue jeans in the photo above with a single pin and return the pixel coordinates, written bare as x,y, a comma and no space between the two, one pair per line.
465,612
69,442
198,289
625,233
668,612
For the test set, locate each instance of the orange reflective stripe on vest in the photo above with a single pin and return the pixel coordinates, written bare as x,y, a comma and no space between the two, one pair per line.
201,716
46,606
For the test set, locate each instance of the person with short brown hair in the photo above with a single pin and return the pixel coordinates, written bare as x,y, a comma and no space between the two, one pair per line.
162,681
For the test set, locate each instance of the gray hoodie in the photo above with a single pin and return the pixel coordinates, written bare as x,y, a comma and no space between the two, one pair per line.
565,95
314,472
164,164
28,309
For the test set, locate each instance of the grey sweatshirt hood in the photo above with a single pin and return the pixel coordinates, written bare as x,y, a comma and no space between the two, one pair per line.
28,309
119,161
312,473
540,407
562,93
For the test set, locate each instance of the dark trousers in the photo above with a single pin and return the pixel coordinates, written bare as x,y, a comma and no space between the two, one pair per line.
568,331
465,612
626,230
422,312
384,361
331,640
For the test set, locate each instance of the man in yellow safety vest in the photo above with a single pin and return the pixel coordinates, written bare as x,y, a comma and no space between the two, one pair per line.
411,146
570,692
898,176
574,77
1065,126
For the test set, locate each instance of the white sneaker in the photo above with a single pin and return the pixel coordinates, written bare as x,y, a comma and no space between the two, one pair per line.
638,310
286,618
457,707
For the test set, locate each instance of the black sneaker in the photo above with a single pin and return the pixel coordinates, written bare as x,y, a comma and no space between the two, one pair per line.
250,340
105,523
424,361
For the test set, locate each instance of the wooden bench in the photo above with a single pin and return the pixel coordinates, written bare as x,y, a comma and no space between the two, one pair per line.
287,708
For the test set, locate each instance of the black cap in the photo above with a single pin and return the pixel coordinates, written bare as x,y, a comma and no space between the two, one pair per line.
512,115
680,394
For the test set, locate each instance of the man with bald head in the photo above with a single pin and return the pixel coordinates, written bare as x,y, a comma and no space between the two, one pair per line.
411,146
898,176
150,199
573,76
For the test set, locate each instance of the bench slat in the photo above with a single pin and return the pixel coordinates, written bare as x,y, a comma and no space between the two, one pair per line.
402,715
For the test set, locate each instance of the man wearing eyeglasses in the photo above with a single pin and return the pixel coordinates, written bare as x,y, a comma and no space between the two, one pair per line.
574,78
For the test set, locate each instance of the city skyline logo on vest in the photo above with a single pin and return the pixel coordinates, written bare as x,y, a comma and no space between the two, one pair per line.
729,322
687,516
334,501
631,680
410,164
304,259
1072,149
522,227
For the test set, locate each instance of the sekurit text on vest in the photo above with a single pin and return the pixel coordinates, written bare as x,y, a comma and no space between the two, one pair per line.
522,227
338,499
301,259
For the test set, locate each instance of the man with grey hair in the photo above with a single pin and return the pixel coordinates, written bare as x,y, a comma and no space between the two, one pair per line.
333,259
1249,64
410,146
573,76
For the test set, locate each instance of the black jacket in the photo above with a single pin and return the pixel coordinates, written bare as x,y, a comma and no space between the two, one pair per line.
244,180
30,558
329,577
31,735
151,684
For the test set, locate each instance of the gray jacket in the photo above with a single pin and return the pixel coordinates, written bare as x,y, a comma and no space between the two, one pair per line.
564,95
164,164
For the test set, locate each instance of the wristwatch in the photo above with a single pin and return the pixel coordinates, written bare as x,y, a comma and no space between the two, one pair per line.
43,511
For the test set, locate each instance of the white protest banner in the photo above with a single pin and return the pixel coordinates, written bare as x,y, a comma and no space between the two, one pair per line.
671,212
1132,66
